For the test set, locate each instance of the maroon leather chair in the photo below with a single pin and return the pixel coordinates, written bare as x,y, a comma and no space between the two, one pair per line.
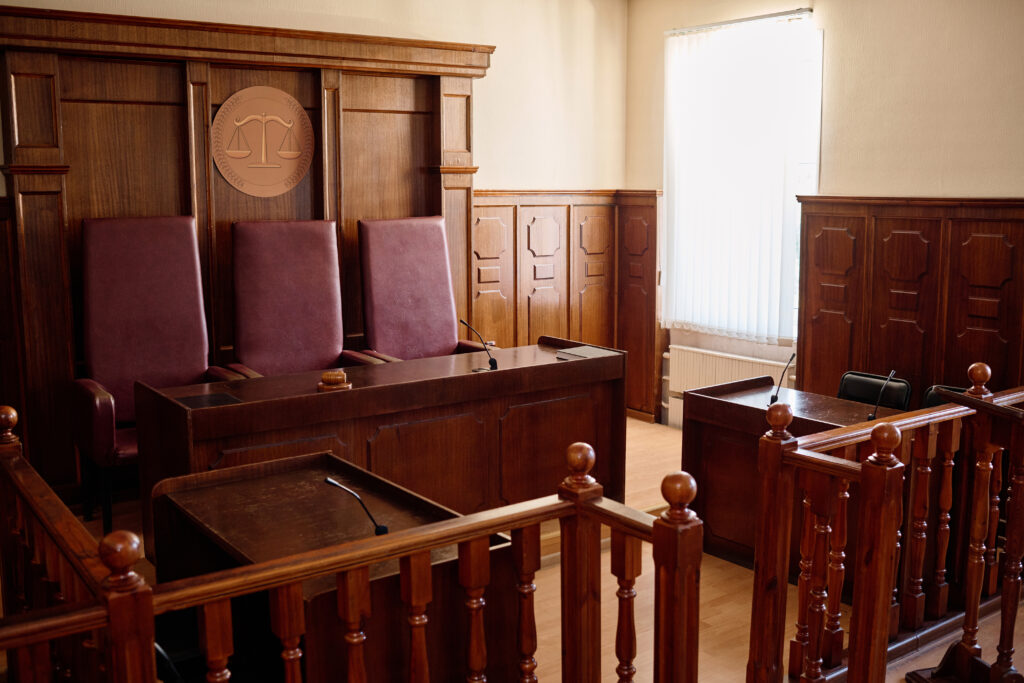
408,303
288,298
143,321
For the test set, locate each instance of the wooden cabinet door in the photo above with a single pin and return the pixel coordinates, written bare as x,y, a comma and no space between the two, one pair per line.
638,266
905,295
985,295
832,254
492,258
542,302
592,292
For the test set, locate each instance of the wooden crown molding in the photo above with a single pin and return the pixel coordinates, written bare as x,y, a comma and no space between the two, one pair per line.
86,32
1015,202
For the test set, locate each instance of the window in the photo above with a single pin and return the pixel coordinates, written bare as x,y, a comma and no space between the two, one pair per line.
742,129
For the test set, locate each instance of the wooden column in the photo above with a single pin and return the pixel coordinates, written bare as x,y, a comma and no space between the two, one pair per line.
771,558
581,572
678,545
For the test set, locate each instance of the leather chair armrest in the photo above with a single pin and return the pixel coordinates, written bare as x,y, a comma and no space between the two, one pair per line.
381,356
349,358
92,421
469,346
217,373
244,370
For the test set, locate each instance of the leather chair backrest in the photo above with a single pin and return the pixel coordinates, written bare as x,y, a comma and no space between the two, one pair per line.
932,398
408,304
287,296
143,305
863,387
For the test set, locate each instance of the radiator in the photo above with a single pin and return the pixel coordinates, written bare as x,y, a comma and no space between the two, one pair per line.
691,368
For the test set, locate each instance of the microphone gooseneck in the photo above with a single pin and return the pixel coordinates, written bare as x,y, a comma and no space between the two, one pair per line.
881,391
778,387
378,529
491,359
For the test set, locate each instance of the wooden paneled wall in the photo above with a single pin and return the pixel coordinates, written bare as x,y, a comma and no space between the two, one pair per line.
109,116
925,286
581,265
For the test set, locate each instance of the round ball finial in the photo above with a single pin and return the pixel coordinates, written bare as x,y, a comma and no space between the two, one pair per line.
119,551
885,437
8,420
580,458
979,374
679,489
780,416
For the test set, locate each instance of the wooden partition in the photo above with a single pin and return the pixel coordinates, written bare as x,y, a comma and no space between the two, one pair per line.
108,116
580,265
925,286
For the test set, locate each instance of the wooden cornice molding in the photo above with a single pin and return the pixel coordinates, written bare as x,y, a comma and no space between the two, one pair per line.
1016,202
453,169
85,32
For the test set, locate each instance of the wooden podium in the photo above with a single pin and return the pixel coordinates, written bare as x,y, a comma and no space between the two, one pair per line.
721,428
217,520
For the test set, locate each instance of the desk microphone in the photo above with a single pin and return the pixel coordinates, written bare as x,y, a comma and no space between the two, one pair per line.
378,529
492,362
880,392
778,387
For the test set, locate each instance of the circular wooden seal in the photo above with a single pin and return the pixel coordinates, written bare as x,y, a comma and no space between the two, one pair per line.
262,141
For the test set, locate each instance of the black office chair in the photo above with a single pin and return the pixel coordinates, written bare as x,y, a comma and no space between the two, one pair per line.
863,387
932,398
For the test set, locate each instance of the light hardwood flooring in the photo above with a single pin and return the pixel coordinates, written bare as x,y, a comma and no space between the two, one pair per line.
652,451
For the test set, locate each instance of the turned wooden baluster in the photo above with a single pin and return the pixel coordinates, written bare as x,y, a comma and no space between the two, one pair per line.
937,592
526,556
288,622
353,608
832,638
474,575
626,566
215,639
771,553
32,663
913,603
581,571
990,584
1002,668
416,594
906,446
678,537
798,646
129,601
823,495
881,487
957,661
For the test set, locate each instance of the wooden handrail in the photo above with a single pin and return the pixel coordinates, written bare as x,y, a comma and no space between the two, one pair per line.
620,517
238,581
822,463
21,630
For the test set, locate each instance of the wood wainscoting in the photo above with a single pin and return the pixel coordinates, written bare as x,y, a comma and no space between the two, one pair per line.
576,264
925,286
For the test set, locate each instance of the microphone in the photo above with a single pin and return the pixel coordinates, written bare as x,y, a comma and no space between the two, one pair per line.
378,529
880,392
775,396
492,362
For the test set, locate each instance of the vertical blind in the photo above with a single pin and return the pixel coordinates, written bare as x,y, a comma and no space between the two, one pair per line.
742,130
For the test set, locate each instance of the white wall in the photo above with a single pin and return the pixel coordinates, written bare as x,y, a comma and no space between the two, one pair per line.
920,97
550,114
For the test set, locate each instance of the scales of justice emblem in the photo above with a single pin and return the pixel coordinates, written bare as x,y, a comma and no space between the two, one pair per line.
283,137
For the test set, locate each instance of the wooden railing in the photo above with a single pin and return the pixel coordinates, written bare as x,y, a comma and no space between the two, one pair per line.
925,538
114,611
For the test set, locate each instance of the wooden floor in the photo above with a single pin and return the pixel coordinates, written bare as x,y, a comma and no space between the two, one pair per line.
653,451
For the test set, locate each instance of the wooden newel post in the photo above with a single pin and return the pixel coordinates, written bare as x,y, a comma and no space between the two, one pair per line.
130,657
678,544
581,571
771,549
8,421
881,485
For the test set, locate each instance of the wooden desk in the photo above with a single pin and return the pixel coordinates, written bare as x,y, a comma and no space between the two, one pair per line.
217,520
721,428
469,440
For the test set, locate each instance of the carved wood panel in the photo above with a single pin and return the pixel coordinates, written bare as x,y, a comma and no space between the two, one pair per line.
637,287
832,299
592,307
905,295
493,278
542,306
985,301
